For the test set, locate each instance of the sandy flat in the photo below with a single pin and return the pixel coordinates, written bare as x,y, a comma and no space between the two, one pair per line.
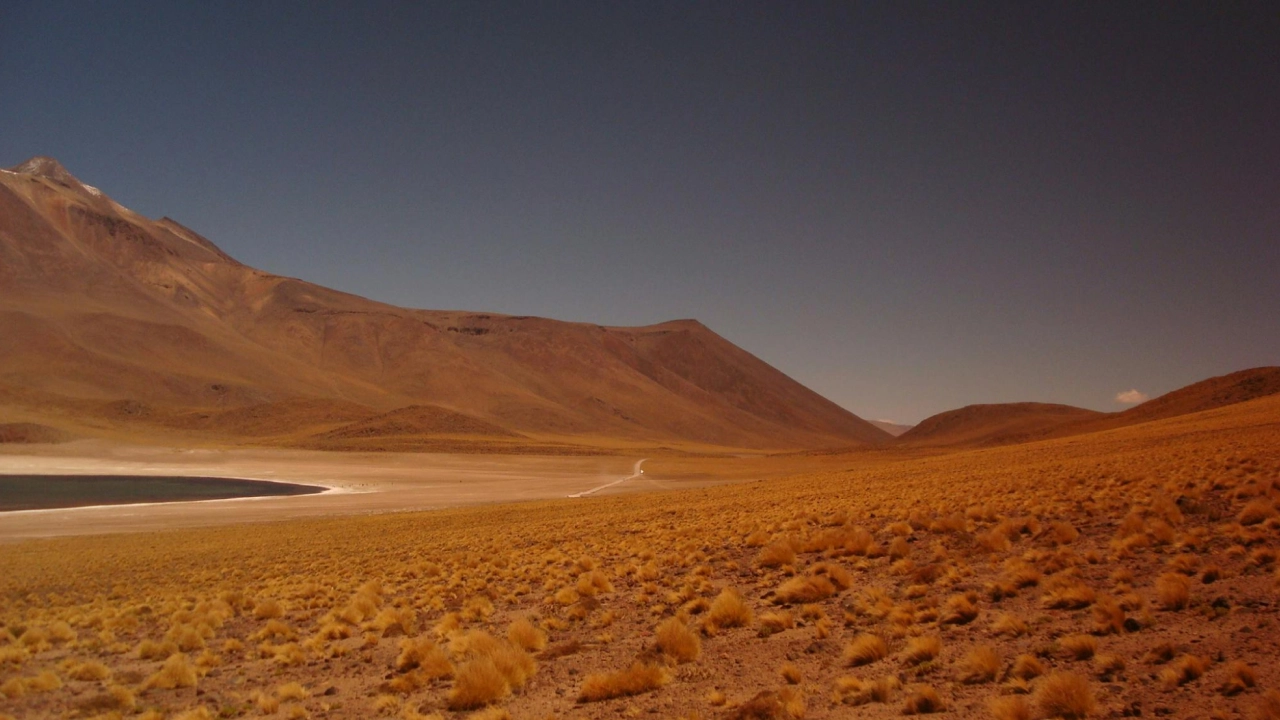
357,484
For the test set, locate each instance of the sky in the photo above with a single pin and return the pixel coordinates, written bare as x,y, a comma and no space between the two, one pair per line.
908,207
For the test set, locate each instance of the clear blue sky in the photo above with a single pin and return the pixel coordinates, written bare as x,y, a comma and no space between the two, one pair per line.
909,207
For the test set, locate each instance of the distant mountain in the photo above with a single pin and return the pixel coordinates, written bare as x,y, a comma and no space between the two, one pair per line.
1208,394
892,428
117,322
1000,424
1005,424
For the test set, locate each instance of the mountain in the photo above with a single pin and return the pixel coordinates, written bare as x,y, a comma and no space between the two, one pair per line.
1010,423
1207,394
893,428
999,424
117,322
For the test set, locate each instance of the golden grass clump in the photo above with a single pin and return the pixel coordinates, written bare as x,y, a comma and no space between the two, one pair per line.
1108,616
769,705
980,665
89,670
292,691
856,691
1268,706
1064,695
959,610
922,649
777,554
1256,511
1009,624
523,633
1183,670
1079,647
477,683
805,589
1240,677
728,610
1026,667
1108,665
790,673
922,700
677,641
639,678
773,622
268,609
1065,592
1173,591
865,649
177,672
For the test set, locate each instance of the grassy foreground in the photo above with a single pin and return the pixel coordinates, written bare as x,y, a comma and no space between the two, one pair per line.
1123,573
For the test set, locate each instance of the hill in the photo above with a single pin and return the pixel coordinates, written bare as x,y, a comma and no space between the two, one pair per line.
997,424
106,311
1004,424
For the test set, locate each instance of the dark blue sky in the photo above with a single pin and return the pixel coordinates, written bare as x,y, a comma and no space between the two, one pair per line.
907,206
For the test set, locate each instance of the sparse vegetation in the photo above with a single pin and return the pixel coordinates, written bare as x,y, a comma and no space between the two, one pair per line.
688,600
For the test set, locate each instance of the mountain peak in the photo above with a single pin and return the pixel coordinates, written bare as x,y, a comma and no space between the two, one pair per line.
44,166
49,168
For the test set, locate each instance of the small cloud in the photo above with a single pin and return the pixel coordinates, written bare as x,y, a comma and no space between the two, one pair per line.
1131,397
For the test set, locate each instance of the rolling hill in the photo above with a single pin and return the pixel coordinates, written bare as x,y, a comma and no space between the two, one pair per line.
1010,423
118,323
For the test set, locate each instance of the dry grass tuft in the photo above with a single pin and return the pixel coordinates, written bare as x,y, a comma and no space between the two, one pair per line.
677,641
638,678
90,670
525,634
790,673
865,649
1257,511
785,704
1268,706
922,700
728,610
1108,665
807,589
980,665
1240,677
1009,624
1173,591
773,622
856,691
423,654
177,672
1079,647
922,649
777,554
479,682
1026,667
1064,695
1183,670
959,610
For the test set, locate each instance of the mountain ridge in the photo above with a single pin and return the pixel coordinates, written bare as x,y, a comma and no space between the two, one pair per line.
107,305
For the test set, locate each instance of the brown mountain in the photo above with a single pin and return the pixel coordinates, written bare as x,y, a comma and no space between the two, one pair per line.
1009,423
112,320
1000,424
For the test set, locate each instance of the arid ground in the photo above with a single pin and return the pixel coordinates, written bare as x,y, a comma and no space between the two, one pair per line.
1121,573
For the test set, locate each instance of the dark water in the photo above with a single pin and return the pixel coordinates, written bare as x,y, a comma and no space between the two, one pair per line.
32,492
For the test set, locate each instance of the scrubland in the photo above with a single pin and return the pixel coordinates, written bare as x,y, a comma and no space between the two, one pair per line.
1127,573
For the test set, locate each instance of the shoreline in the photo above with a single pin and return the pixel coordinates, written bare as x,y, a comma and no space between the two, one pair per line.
323,490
